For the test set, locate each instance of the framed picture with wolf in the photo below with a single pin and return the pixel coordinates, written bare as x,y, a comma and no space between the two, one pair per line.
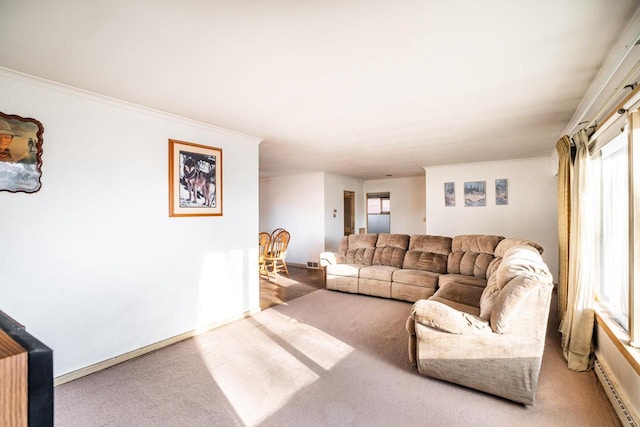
195,179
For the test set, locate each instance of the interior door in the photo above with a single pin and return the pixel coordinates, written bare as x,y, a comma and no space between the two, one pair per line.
349,212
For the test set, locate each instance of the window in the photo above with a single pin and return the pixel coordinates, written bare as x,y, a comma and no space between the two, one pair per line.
617,168
378,211
611,169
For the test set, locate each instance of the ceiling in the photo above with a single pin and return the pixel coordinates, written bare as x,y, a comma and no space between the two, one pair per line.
364,88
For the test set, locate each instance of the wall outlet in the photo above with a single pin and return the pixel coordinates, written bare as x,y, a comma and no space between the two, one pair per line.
311,264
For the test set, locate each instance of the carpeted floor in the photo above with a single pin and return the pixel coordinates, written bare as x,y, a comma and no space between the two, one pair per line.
323,359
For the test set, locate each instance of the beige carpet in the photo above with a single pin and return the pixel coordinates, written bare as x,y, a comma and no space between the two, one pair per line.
324,359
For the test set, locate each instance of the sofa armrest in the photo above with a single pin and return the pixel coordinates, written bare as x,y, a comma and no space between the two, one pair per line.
331,258
447,319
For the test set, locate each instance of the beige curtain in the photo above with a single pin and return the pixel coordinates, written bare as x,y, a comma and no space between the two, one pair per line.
577,323
565,169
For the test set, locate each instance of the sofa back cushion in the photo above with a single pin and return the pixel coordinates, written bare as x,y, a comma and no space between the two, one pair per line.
427,253
472,254
357,241
357,248
390,249
520,260
362,256
400,241
508,243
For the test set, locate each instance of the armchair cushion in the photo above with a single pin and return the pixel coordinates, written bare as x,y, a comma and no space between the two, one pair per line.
440,316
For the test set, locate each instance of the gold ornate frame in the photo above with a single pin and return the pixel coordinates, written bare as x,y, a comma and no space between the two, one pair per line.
195,179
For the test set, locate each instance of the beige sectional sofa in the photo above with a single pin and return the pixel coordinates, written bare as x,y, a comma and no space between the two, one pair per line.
481,303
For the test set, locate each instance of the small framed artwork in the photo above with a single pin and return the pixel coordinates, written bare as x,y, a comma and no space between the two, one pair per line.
195,179
502,192
20,154
449,193
475,193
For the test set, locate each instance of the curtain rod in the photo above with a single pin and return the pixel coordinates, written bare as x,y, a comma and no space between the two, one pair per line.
627,81
618,54
622,107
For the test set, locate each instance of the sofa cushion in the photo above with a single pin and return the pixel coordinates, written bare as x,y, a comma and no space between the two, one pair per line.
456,305
468,295
388,256
386,240
416,278
357,241
509,243
488,297
493,266
378,272
344,245
390,249
426,261
444,279
434,244
469,263
472,254
409,292
427,253
345,270
479,243
359,256
440,316
522,260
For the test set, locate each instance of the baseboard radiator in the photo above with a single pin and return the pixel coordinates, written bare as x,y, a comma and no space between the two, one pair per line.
626,414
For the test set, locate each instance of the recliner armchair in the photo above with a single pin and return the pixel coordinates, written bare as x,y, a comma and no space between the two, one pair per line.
497,346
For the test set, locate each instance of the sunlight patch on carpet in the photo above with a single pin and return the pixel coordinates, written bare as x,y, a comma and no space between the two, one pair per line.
263,362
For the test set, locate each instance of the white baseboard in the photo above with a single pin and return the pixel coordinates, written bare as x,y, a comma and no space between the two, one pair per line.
619,402
74,375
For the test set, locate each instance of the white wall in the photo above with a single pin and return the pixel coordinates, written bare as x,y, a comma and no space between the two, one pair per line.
407,197
531,212
92,264
296,203
334,188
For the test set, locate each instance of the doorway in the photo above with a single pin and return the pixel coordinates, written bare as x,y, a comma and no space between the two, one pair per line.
349,212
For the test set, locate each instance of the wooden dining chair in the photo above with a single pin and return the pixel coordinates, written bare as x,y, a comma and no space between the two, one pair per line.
276,231
264,244
275,257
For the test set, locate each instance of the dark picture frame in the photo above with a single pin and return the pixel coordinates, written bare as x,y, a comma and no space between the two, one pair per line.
502,192
449,193
475,193
195,179
20,154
